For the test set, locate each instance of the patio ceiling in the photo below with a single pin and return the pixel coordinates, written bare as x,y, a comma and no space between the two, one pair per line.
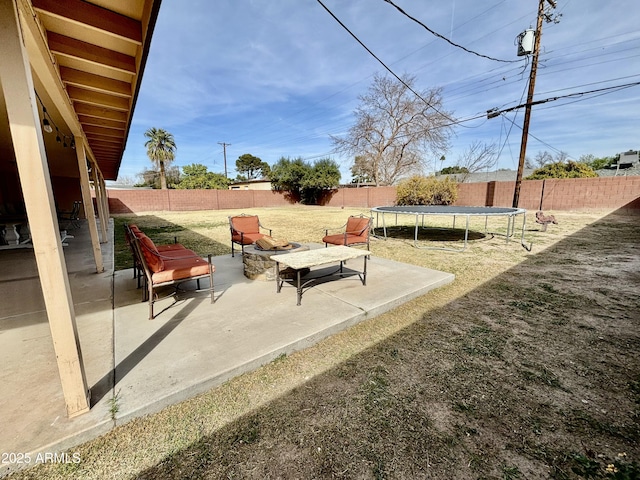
99,49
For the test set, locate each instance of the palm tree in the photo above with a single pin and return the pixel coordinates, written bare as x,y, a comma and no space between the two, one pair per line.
161,150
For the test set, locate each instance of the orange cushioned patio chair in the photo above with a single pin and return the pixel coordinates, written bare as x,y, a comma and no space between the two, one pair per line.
356,232
245,230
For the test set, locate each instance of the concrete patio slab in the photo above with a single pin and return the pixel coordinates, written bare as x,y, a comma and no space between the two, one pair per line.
190,347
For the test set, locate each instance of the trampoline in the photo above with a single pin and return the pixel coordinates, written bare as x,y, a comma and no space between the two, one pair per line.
422,211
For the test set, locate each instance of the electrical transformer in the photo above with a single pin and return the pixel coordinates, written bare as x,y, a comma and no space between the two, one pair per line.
525,42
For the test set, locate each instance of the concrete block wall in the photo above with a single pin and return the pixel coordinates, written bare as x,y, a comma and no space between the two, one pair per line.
475,194
361,197
577,193
133,201
553,194
556,194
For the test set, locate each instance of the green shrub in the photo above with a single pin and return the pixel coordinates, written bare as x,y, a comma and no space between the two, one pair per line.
453,170
419,190
570,169
597,163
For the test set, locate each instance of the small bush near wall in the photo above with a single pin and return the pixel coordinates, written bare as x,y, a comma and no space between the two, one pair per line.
569,169
419,190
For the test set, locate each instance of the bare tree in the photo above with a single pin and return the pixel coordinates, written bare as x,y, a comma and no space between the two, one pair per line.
528,163
542,158
545,158
126,180
360,171
477,157
395,130
152,177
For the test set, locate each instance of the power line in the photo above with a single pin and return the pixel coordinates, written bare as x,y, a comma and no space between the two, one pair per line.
383,64
593,83
579,100
495,113
549,68
536,138
302,111
503,78
445,38
299,137
511,127
602,91
463,91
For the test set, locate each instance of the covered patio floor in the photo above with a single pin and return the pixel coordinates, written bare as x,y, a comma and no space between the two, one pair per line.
190,347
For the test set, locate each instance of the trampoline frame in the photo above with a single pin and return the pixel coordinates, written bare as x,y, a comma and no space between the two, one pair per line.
420,211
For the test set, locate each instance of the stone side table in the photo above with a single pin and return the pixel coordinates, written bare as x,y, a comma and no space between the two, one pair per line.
258,264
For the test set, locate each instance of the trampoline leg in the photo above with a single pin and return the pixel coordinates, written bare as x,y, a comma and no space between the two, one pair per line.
384,226
524,223
466,233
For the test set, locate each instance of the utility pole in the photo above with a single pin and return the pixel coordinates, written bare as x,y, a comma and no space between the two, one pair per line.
224,151
532,83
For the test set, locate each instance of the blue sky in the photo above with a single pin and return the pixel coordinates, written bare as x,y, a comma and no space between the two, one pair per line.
277,78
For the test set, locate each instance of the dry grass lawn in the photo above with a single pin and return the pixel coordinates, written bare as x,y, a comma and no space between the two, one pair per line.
527,366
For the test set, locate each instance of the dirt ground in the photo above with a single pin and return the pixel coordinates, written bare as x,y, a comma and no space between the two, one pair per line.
527,366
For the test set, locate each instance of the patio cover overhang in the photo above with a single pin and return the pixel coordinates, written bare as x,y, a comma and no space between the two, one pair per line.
78,65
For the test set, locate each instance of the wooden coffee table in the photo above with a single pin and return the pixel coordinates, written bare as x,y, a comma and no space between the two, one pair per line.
314,258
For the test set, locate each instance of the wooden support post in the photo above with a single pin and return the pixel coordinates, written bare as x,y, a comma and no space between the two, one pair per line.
28,143
88,206
101,200
99,203
105,200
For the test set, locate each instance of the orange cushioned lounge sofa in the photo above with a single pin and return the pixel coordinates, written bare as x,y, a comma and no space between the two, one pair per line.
163,265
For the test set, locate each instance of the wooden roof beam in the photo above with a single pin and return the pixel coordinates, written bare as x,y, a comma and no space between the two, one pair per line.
100,145
107,157
109,163
99,140
107,154
100,112
99,99
107,132
90,81
101,122
70,47
93,16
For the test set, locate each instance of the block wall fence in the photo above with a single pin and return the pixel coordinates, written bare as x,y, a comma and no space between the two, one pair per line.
620,193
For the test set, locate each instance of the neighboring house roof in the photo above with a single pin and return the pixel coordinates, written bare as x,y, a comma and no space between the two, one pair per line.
255,180
510,175
625,170
255,184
